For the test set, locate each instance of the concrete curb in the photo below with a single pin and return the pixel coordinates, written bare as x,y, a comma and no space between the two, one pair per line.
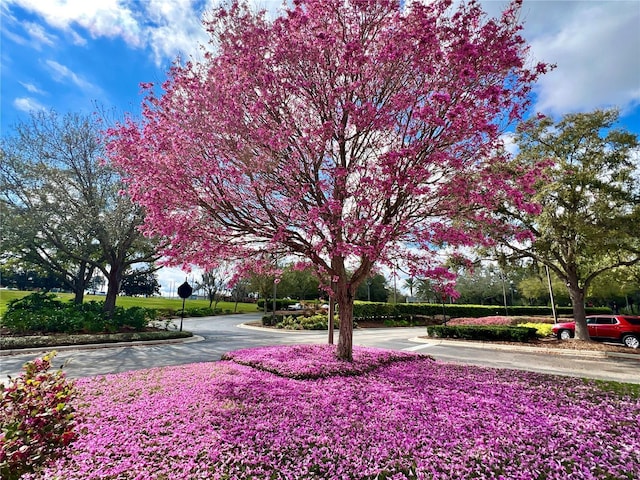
96,346
526,348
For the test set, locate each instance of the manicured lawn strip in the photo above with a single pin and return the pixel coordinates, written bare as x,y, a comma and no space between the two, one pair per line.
405,419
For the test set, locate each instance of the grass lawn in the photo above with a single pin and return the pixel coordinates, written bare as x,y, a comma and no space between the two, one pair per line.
296,412
152,302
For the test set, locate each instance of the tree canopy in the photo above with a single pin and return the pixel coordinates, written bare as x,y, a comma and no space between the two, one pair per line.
344,133
64,210
590,199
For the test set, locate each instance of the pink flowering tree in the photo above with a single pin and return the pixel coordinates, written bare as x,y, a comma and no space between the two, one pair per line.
347,134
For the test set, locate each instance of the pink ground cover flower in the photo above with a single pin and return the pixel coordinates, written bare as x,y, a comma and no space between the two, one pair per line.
314,361
409,419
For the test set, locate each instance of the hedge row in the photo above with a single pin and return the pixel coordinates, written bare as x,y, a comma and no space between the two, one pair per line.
381,311
476,332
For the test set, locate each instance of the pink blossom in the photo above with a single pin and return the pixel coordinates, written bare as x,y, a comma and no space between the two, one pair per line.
335,133
406,417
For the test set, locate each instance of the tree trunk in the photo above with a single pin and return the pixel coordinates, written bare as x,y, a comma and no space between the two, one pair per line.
114,278
344,297
579,313
81,280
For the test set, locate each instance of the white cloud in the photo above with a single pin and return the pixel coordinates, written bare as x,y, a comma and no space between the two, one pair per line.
62,73
170,278
510,145
175,29
105,18
77,38
38,34
31,88
28,104
597,52
595,43
168,28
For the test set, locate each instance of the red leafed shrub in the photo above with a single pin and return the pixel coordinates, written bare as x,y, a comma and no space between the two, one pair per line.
36,418
485,321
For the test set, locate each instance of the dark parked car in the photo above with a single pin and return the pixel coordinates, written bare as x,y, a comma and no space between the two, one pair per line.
623,328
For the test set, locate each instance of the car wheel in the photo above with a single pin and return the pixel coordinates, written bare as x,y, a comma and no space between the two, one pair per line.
631,341
565,334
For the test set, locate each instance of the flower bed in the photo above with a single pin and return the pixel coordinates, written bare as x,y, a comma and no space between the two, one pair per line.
482,321
315,361
414,418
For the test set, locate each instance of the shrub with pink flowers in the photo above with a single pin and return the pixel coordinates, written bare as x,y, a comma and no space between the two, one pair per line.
37,418
483,321
407,417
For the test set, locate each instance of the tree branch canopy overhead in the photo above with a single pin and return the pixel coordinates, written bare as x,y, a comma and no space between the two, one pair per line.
346,133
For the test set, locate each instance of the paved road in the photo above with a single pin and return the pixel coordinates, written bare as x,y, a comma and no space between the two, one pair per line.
217,335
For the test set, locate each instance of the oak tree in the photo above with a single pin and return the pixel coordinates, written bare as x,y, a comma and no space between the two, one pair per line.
590,199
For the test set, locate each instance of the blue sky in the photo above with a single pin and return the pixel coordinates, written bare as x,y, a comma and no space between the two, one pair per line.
74,55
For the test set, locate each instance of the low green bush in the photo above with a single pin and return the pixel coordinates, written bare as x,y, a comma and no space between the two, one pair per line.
44,313
488,333
314,322
37,419
273,320
200,312
300,322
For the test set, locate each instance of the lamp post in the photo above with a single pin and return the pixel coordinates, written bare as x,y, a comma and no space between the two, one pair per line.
553,303
275,290
504,294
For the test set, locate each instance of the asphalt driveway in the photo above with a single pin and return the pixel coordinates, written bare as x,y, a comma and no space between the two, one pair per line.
215,336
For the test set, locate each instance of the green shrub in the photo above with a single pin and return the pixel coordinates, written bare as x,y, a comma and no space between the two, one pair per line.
390,322
489,333
199,312
300,322
272,320
37,419
134,318
314,322
37,312
43,313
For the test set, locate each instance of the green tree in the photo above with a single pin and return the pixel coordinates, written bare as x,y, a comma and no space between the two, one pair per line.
616,286
64,210
410,284
534,288
298,284
140,282
482,286
373,289
590,200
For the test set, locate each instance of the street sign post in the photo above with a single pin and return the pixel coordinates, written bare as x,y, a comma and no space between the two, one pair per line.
184,291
